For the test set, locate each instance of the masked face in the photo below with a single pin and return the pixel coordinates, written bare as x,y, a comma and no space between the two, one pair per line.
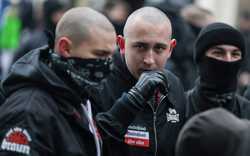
85,72
90,62
89,71
219,76
85,62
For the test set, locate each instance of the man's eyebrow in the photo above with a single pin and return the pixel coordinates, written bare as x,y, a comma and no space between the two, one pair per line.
237,50
139,42
146,44
161,45
219,48
222,49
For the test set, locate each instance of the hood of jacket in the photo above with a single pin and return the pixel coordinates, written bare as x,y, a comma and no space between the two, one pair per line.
214,132
32,70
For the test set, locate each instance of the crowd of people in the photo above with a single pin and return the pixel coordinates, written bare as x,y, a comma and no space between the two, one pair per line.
156,80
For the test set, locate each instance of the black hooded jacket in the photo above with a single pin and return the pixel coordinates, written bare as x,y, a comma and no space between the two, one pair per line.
150,132
41,115
215,132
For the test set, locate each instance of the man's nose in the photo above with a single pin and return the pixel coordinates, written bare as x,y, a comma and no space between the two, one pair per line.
229,57
149,57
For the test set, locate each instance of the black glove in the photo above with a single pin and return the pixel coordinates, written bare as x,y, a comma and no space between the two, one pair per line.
125,109
147,84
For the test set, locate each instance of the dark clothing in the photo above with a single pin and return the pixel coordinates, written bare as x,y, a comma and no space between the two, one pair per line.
198,102
153,130
32,40
246,93
215,132
2,97
246,66
181,61
42,115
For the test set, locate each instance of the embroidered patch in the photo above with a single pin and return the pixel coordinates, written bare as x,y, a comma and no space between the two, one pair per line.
17,140
137,138
172,116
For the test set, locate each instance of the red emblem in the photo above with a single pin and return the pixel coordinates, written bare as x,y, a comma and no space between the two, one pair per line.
17,140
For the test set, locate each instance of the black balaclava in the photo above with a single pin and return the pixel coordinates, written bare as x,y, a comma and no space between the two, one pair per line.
218,79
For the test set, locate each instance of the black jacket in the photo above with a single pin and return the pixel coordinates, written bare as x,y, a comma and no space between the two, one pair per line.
41,115
246,93
150,132
239,106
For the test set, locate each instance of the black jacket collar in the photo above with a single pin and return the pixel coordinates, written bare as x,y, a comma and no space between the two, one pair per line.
121,69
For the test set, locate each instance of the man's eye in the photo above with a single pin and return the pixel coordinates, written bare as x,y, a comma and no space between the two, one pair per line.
102,54
236,54
217,53
159,49
139,47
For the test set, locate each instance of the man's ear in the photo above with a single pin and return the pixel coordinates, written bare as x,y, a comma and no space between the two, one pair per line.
173,44
64,47
121,43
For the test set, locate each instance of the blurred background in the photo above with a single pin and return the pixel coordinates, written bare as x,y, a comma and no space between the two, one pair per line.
22,25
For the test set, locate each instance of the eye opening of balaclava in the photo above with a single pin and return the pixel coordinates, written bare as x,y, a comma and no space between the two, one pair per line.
217,75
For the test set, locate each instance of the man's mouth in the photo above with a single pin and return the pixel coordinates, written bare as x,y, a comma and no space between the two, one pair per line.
144,70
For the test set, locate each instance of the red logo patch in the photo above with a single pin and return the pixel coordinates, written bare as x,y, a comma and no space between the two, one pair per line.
17,140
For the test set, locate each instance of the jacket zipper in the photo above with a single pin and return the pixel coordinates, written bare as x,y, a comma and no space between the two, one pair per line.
155,132
154,126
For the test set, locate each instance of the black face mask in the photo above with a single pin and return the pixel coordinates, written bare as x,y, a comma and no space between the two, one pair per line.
218,76
91,70
84,72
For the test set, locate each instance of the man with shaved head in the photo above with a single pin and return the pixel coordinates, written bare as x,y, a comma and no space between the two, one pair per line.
152,98
47,111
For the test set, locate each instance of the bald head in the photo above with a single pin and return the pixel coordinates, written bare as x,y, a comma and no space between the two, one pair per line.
147,41
149,15
77,24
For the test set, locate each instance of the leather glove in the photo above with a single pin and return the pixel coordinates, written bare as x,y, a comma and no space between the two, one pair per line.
148,83
125,109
